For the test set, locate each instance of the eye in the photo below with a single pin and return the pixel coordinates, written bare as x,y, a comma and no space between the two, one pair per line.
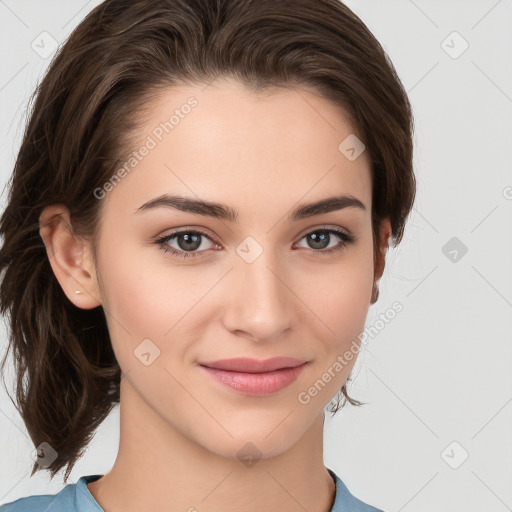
321,238
190,241
186,240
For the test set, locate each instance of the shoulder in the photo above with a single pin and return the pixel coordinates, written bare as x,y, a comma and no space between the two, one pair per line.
72,498
345,500
42,503
37,503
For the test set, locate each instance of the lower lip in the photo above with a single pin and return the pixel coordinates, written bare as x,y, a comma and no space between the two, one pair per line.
258,384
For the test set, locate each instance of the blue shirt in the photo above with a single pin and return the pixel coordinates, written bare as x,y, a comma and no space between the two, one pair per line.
77,498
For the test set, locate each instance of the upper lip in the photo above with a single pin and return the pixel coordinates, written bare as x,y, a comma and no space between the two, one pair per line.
248,365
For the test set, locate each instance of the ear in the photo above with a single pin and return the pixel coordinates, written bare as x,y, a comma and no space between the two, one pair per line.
70,258
385,235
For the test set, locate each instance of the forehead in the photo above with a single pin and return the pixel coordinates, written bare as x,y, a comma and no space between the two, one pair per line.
225,143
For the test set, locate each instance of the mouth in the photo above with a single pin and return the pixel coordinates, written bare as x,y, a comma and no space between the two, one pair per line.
248,365
253,377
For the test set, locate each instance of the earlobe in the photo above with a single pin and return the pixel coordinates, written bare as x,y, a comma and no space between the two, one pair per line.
69,257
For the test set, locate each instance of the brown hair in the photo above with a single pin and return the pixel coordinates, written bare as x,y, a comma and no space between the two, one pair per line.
83,116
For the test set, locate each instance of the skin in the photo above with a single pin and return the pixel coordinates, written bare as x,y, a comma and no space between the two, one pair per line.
262,155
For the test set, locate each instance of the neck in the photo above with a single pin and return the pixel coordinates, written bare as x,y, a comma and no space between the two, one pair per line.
160,468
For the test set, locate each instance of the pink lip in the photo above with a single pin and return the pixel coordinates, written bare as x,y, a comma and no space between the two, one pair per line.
253,377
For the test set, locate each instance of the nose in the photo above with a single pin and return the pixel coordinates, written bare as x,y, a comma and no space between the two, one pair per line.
260,300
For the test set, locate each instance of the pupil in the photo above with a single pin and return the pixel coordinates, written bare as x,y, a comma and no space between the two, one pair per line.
191,241
318,240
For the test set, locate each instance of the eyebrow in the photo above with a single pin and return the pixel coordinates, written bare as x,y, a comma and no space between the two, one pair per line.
224,212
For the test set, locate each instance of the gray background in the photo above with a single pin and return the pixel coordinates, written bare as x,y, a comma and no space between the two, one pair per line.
437,378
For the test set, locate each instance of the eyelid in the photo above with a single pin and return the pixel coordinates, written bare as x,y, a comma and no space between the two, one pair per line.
325,227
187,229
345,237
207,234
163,239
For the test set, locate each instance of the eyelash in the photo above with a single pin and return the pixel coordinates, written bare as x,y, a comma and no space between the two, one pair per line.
346,239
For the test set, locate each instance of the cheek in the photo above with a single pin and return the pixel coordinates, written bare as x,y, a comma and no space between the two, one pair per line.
339,294
340,302
144,298
349,303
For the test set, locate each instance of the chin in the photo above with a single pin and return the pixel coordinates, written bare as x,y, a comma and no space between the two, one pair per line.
258,440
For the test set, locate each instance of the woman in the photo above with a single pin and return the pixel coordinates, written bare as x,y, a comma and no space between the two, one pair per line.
198,219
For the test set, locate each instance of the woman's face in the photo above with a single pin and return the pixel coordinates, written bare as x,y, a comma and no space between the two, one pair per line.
258,283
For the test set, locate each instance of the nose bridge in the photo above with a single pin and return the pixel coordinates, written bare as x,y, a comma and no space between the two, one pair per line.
261,303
